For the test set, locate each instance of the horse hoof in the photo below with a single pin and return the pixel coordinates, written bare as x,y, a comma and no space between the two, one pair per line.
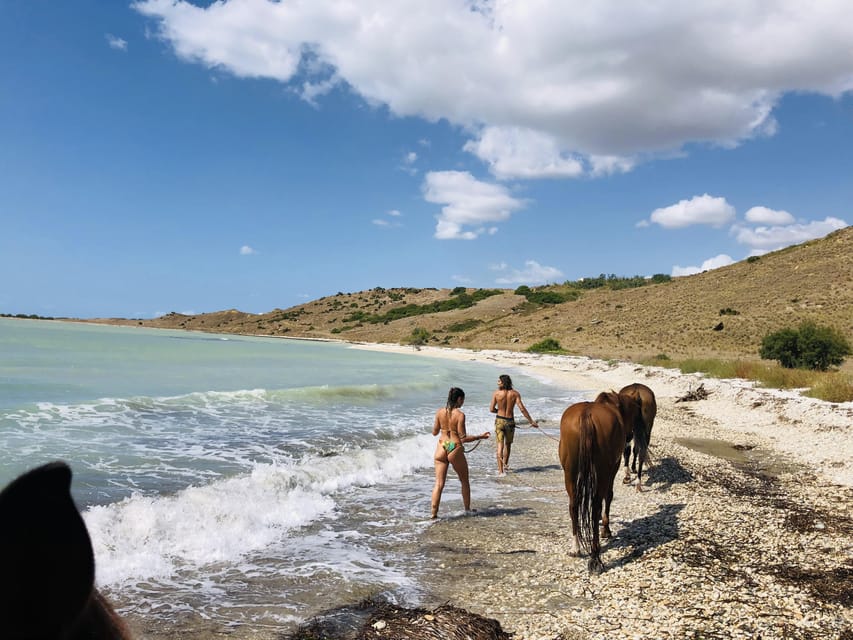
626,480
595,566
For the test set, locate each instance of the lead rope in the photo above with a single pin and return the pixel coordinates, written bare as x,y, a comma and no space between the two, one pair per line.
547,435
515,475
472,448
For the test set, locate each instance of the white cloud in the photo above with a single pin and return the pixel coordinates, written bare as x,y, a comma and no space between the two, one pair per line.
702,209
117,43
469,204
512,152
246,250
608,165
409,160
393,214
602,79
763,215
716,262
461,279
533,273
777,237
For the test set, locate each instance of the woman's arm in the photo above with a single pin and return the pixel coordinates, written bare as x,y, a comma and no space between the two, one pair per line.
436,425
463,435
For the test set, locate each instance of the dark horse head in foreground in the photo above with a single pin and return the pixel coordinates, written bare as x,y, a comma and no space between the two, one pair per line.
47,577
643,434
47,585
592,439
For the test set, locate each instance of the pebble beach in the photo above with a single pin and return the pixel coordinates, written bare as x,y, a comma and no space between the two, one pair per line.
744,528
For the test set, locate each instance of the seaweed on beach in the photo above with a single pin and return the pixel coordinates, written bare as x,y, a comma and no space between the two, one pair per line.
378,619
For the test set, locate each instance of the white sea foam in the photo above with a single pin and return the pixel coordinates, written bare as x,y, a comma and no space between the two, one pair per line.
153,538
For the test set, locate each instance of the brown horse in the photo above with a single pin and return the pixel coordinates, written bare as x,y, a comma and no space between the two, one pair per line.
47,567
592,438
642,436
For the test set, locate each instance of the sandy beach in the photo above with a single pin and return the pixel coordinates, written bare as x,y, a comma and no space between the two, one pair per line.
744,529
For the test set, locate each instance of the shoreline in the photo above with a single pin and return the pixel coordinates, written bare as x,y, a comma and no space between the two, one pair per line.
782,417
743,529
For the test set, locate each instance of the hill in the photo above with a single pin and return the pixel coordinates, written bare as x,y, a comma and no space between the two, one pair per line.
720,313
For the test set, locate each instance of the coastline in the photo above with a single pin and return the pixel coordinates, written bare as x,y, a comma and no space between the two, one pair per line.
743,529
781,417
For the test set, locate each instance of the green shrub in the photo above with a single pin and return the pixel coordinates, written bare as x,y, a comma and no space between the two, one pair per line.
419,336
728,311
457,290
548,345
810,347
464,325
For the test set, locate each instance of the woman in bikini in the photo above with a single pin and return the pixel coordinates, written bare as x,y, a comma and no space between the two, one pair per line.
450,423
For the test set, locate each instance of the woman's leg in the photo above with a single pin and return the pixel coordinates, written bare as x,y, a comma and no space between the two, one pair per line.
440,477
460,466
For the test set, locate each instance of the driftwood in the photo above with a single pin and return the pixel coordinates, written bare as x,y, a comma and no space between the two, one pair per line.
372,620
699,393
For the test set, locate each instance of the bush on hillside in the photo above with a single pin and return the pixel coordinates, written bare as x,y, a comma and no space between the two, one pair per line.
548,345
542,296
419,336
811,346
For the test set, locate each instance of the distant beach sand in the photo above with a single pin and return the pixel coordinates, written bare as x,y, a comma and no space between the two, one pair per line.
813,432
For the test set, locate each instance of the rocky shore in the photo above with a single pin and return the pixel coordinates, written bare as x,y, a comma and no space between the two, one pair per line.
744,530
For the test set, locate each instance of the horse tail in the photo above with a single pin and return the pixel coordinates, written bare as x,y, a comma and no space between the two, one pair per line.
639,426
641,432
586,482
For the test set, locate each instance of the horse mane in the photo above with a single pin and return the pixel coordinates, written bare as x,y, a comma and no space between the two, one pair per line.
609,397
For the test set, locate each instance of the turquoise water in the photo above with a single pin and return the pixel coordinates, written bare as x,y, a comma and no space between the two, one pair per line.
237,476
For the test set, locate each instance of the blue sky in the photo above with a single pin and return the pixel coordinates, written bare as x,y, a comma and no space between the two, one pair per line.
165,156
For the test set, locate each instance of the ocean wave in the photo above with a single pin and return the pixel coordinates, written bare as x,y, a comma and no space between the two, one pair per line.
144,538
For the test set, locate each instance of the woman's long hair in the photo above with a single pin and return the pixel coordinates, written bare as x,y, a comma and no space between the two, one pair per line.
453,397
506,381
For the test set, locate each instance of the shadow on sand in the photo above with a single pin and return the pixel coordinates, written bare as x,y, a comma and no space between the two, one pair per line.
665,473
643,534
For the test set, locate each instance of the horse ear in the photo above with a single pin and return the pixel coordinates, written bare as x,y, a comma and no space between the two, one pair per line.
48,567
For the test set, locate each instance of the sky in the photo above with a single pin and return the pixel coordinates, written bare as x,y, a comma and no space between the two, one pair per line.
166,155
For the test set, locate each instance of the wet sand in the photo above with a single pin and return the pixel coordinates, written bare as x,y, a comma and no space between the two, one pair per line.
744,530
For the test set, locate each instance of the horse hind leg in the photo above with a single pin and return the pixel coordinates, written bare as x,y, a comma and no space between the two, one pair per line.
576,545
640,476
605,517
627,455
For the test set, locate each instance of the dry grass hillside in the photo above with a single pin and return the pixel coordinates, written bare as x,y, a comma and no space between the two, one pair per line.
681,318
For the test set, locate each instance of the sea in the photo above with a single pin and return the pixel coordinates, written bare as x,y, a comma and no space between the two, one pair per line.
245,480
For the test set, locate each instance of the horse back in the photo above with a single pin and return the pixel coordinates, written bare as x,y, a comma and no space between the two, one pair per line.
607,431
648,403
